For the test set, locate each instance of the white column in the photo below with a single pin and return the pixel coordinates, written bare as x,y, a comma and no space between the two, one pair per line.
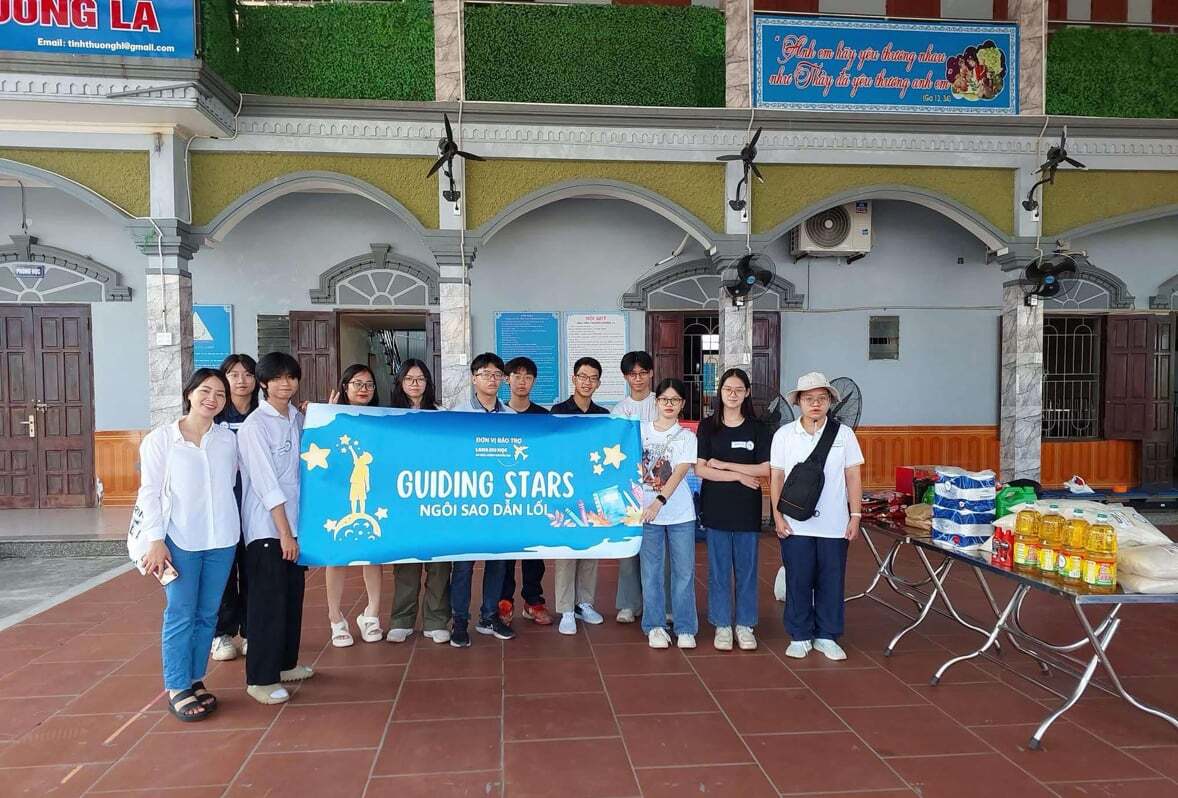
169,336
1031,16
454,297
1021,423
737,52
448,44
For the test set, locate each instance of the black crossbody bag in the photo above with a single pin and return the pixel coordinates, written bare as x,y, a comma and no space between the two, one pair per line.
803,486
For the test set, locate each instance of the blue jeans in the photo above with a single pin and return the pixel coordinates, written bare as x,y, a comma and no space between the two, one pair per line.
677,541
460,578
815,576
190,617
732,553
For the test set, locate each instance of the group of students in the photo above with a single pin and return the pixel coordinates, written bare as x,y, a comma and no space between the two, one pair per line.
219,499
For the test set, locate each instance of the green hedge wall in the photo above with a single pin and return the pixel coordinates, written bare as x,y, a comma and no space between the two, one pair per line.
218,38
1112,73
608,55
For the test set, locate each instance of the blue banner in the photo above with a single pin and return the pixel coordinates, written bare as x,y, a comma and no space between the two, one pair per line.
534,335
138,28
850,64
385,485
212,333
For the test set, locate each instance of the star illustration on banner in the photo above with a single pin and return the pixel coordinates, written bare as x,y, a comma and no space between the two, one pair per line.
315,457
613,455
594,457
598,469
345,440
329,525
381,513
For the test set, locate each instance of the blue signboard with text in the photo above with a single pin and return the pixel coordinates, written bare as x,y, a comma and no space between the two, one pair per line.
212,333
136,28
534,335
856,64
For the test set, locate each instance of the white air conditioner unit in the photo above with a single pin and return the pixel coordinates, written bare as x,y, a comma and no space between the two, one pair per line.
841,231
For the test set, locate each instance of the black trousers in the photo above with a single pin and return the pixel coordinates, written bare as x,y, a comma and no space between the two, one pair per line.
231,615
275,612
533,572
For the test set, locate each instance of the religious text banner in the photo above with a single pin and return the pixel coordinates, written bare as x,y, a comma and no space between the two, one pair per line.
855,64
138,28
384,485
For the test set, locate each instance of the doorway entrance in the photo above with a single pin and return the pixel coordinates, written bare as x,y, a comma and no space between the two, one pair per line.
686,344
327,342
46,407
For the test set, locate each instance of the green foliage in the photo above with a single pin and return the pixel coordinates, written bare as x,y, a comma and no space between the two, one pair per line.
1112,73
608,55
218,38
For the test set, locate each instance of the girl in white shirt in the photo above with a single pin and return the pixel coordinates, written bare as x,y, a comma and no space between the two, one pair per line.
189,515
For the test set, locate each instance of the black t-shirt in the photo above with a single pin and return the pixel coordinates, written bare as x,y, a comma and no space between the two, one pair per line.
569,408
732,506
534,408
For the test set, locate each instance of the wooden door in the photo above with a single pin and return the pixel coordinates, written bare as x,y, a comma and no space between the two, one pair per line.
1157,447
314,342
766,366
433,345
664,336
65,417
18,448
1128,367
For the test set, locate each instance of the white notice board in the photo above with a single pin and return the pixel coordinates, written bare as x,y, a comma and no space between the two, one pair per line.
602,335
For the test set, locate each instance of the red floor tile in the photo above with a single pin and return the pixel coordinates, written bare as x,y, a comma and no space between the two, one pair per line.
60,781
984,703
19,715
50,679
703,739
588,769
918,667
746,781
361,683
177,760
761,669
340,774
76,740
440,746
42,636
487,784
968,776
101,647
546,644
550,717
1150,788
145,663
651,694
533,676
862,688
777,711
453,663
921,731
327,726
457,698
174,792
118,694
235,710
361,653
1116,722
12,659
821,762
634,658
1087,758
1163,759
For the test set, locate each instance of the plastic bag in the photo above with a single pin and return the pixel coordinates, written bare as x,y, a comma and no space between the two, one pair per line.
779,584
1135,583
1155,562
1010,496
963,507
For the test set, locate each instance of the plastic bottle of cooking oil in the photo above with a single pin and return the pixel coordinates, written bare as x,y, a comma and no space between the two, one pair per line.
1100,563
1026,540
1050,534
1069,563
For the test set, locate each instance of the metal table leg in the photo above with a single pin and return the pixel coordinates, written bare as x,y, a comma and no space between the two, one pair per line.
989,594
883,564
991,637
925,608
1081,686
939,587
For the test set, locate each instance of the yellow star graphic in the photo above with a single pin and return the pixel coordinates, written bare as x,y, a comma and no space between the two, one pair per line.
598,469
315,457
345,440
594,457
381,513
613,455
329,525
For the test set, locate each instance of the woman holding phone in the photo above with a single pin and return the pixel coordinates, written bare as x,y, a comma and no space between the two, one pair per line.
188,512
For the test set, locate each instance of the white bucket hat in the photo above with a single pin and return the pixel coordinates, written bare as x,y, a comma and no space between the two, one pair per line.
808,382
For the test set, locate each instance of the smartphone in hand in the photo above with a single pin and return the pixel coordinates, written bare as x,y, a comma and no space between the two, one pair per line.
168,575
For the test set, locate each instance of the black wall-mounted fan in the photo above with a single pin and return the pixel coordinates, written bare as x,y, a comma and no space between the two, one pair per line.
747,156
750,270
447,150
1044,274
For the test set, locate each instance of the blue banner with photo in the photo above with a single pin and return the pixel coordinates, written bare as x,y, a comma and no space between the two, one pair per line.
136,28
387,485
854,64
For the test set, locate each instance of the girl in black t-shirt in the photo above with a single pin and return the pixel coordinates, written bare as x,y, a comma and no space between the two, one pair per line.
733,458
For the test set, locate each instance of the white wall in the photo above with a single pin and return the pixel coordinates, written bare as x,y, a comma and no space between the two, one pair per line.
119,329
1143,255
948,367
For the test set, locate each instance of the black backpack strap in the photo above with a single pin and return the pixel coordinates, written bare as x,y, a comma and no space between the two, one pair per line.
822,450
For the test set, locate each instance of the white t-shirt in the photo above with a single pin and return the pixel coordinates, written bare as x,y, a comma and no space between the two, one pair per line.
268,447
791,445
661,453
646,410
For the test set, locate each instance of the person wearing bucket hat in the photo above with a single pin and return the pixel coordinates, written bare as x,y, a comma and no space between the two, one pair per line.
814,547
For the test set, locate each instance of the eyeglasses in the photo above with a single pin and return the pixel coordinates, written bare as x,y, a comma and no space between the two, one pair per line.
362,386
638,373
589,378
670,401
489,375
414,381
815,400
734,391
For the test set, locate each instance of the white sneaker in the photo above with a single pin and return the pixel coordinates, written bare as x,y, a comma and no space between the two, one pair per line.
723,641
223,649
588,614
658,638
831,649
798,649
626,616
745,638
686,641
568,624
439,636
245,645
401,635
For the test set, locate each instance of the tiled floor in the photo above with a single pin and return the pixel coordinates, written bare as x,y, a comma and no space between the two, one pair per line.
599,714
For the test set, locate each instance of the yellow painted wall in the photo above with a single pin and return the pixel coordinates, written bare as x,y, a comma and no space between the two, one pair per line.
791,188
120,176
220,178
1081,198
493,185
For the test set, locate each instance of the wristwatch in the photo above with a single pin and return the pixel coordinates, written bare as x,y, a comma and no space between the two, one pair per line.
661,498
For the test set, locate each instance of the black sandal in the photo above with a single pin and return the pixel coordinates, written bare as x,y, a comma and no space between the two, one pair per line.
185,709
206,699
